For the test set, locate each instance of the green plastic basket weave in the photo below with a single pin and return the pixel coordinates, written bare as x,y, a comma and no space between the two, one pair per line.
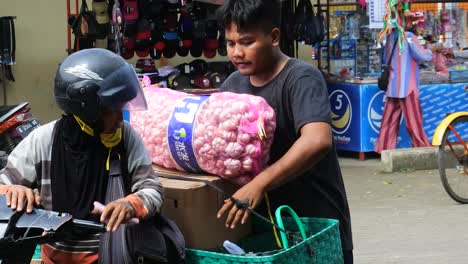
322,246
37,253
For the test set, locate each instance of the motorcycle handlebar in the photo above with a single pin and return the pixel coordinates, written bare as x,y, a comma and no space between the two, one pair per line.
90,226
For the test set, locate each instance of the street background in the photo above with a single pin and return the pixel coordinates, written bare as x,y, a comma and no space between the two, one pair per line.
403,217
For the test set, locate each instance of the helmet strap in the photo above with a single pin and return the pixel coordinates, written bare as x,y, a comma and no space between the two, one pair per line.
109,140
84,127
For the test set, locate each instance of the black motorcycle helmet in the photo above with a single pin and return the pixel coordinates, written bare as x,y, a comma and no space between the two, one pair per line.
91,80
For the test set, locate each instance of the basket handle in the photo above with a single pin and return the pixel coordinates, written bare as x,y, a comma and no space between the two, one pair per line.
279,220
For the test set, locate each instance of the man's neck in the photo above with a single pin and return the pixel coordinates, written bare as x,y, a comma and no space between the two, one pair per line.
278,63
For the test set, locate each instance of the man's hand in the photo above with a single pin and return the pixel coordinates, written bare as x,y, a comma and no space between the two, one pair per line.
117,213
448,53
18,196
251,192
436,49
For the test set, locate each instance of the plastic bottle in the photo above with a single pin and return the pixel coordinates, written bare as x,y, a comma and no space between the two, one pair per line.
233,248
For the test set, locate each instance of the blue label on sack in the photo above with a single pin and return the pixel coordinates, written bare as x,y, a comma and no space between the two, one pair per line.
180,131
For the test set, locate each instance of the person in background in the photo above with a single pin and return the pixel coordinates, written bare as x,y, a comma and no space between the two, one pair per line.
303,170
458,54
64,165
402,92
450,53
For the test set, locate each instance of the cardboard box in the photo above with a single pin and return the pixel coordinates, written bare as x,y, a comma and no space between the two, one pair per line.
194,205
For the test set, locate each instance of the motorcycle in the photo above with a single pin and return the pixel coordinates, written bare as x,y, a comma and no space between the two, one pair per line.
21,232
16,122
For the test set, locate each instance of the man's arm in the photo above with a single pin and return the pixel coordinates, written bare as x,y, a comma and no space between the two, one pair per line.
19,175
311,114
418,52
460,54
313,144
147,192
146,198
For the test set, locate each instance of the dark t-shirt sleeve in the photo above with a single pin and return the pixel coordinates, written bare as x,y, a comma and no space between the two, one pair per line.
309,99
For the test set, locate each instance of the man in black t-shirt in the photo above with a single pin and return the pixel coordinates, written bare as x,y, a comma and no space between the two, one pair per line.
304,172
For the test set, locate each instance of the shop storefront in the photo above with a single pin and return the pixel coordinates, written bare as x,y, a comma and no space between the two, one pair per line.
355,62
357,111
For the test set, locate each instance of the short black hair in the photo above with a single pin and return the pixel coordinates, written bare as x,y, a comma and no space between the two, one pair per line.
250,14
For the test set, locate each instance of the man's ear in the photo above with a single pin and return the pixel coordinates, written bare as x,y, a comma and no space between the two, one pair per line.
275,36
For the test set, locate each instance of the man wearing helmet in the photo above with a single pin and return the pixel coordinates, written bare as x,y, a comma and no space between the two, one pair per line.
64,165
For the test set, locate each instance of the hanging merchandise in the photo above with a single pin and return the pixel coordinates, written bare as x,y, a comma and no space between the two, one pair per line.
185,32
157,9
211,39
115,36
222,50
130,10
459,35
7,47
85,25
128,49
445,20
144,29
362,3
310,27
157,38
198,38
430,22
148,28
100,8
288,42
171,35
199,32
130,27
142,41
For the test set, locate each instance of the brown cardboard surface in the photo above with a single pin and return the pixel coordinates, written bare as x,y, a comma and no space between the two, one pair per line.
193,206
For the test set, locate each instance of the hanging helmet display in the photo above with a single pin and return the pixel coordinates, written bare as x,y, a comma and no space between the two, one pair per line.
94,79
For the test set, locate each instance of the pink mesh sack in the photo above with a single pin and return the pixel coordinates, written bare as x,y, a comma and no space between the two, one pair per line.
225,134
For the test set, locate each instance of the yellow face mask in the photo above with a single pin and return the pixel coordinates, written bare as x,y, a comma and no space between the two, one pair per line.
109,140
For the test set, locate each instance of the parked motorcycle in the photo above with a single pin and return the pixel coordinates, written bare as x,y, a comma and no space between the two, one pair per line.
16,122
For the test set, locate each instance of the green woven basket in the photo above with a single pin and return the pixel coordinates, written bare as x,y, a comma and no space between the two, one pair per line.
37,253
322,246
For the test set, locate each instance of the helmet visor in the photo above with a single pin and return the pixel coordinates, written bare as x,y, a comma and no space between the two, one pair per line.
121,90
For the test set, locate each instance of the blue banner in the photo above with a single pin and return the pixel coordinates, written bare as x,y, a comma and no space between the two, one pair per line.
357,112
180,132
438,100
356,117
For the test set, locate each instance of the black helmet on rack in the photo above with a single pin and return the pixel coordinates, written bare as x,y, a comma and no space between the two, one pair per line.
94,79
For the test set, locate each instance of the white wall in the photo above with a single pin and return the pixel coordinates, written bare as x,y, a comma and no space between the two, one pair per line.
40,46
